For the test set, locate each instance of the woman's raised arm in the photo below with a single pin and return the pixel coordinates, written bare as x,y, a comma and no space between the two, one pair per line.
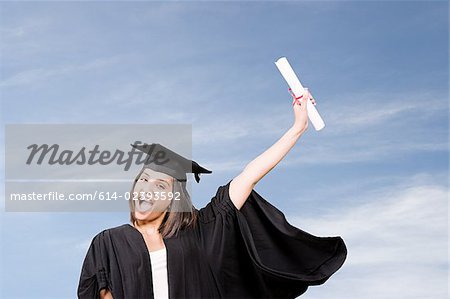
241,186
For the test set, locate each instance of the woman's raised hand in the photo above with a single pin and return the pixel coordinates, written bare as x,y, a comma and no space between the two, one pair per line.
300,110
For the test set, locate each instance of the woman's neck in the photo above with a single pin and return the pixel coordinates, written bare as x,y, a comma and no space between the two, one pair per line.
150,226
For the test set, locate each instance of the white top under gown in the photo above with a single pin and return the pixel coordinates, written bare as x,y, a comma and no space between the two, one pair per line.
159,273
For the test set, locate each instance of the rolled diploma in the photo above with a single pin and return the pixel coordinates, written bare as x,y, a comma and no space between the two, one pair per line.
297,88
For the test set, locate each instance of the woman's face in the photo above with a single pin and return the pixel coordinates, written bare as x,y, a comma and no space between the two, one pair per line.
151,188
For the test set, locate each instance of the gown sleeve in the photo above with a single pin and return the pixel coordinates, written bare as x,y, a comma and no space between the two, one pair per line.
256,253
93,275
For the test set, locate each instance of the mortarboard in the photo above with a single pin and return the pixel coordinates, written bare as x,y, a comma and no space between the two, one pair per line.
162,159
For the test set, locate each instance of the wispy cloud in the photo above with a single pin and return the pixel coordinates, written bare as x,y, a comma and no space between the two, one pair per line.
354,133
19,31
38,75
361,110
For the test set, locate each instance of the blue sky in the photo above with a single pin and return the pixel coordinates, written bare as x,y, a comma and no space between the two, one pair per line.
377,175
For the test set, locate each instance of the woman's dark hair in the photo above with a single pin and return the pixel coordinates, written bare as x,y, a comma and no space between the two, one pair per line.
181,213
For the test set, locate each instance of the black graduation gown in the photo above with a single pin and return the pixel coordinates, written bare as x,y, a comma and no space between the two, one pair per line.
248,253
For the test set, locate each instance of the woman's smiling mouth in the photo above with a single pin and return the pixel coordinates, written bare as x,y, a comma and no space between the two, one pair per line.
145,204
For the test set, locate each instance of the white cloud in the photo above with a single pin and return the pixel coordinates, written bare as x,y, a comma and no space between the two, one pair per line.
396,240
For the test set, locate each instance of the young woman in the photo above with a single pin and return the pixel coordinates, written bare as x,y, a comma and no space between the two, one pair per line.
237,246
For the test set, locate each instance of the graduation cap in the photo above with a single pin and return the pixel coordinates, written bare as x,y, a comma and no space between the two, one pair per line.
162,159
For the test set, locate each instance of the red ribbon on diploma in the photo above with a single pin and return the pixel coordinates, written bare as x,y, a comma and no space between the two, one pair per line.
296,99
